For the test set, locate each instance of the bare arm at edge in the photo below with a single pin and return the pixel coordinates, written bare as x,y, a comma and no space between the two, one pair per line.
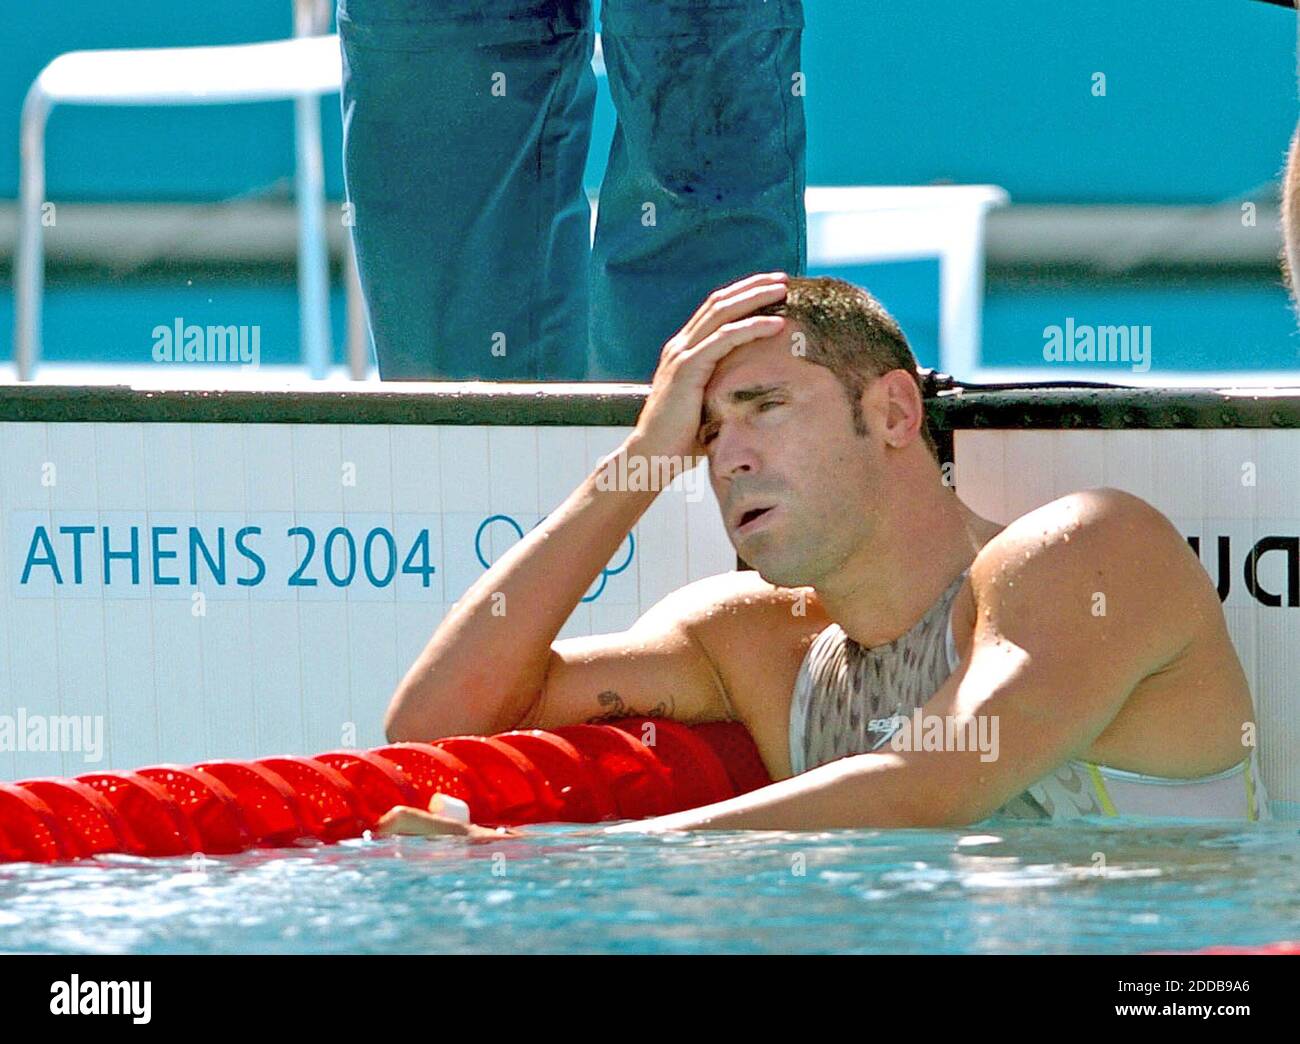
1291,218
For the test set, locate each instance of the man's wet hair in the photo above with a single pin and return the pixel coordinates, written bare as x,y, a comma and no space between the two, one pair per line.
851,334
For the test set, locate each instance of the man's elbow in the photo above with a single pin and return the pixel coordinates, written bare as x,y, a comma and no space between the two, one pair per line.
915,799
397,729
422,717
969,802
948,806
945,815
400,722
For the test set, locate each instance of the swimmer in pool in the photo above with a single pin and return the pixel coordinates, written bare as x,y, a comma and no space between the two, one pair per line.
1076,661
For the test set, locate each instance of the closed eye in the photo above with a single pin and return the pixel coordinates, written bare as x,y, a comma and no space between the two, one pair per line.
709,432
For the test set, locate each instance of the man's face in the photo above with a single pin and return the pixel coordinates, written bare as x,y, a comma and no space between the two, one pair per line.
796,485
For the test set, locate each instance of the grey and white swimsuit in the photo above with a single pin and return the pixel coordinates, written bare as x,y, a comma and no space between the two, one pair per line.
849,700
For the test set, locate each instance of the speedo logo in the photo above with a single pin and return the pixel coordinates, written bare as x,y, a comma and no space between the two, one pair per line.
1278,549
74,997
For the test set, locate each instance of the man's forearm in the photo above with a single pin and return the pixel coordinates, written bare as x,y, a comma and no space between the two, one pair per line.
865,790
487,661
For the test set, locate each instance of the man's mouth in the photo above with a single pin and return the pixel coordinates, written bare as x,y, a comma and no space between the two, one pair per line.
752,518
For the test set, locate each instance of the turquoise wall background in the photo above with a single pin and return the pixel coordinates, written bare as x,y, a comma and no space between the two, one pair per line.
1200,102
1201,95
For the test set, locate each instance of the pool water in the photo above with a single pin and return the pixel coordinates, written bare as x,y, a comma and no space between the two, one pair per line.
1001,887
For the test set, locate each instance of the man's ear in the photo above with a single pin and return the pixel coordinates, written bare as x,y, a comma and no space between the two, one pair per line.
901,405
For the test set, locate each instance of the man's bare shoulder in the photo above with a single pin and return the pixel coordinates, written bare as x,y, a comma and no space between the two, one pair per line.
740,597
1107,516
1098,548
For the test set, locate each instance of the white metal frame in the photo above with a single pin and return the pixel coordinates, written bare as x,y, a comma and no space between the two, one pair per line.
302,70
864,224
852,225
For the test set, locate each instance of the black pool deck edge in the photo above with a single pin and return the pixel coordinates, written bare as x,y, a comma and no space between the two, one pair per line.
951,406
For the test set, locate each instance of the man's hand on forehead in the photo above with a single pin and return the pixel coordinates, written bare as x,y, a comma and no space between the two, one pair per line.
670,420
727,305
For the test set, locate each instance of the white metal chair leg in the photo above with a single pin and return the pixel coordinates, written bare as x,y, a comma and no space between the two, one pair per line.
301,69
961,295
313,253
29,258
310,18
358,326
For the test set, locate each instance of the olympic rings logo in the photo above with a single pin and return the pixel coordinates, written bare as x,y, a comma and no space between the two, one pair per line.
605,573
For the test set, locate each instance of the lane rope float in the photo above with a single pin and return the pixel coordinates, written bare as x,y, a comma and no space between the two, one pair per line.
631,768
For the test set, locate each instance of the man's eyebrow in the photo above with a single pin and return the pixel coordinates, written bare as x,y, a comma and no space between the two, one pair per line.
754,391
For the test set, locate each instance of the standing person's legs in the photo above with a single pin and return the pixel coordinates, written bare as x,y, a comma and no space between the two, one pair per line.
706,173
466,128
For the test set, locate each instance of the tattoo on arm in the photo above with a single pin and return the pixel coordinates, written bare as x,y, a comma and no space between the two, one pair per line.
615,707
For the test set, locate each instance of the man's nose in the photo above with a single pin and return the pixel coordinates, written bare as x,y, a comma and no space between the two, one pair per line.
732,455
